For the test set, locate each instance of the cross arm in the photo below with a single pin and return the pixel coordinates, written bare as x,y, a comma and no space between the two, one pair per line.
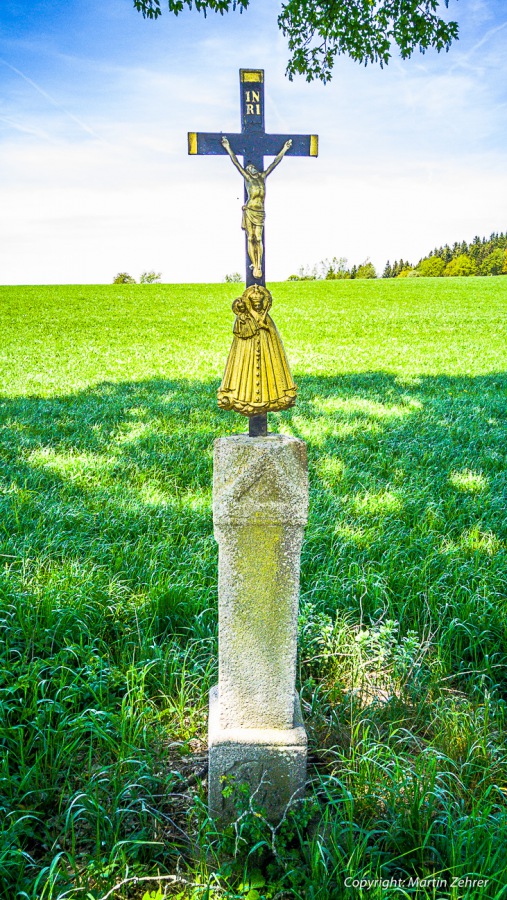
208,143
302,144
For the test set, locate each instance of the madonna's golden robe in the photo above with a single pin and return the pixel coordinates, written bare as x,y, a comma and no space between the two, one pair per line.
257,377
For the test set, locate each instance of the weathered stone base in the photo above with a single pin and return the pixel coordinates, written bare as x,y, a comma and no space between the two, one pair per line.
271,761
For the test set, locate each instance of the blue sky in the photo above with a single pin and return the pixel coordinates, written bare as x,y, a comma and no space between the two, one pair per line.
96,102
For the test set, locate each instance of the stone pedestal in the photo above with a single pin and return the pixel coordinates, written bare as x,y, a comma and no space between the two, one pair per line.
260,507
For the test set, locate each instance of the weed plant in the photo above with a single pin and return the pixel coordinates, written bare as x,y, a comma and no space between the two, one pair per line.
108,601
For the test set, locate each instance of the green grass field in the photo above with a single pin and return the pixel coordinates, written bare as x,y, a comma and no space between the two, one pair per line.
108,601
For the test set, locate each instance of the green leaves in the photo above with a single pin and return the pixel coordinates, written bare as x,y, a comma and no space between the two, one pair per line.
318,32
248,888
365,30
150,9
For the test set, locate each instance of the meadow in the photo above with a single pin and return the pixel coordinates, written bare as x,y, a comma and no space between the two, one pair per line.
108,603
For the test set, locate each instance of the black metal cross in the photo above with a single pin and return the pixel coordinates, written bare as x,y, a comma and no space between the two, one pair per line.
253,144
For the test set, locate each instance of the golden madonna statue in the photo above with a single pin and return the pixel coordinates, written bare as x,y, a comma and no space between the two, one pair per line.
257,377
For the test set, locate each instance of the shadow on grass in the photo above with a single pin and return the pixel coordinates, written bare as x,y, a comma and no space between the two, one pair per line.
108,491
108,578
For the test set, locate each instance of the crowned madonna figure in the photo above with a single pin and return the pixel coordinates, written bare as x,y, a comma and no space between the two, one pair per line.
257,377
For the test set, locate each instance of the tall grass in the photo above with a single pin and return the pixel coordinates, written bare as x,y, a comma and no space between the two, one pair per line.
108,592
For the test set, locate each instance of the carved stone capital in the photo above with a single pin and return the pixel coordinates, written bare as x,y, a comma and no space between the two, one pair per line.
260,481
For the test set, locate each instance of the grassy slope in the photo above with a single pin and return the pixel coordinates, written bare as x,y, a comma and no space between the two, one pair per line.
108,582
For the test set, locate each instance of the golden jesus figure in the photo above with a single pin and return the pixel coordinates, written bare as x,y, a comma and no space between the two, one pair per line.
253,210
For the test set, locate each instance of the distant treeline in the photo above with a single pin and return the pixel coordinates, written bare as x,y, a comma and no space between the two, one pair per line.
484,256
334,268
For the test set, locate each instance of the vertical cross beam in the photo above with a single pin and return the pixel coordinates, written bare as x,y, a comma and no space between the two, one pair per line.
252,125
253,144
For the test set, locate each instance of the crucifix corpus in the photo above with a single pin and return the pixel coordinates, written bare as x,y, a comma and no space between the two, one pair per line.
260,507
257,377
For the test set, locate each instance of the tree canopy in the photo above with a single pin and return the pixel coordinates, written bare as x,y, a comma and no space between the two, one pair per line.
320,30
